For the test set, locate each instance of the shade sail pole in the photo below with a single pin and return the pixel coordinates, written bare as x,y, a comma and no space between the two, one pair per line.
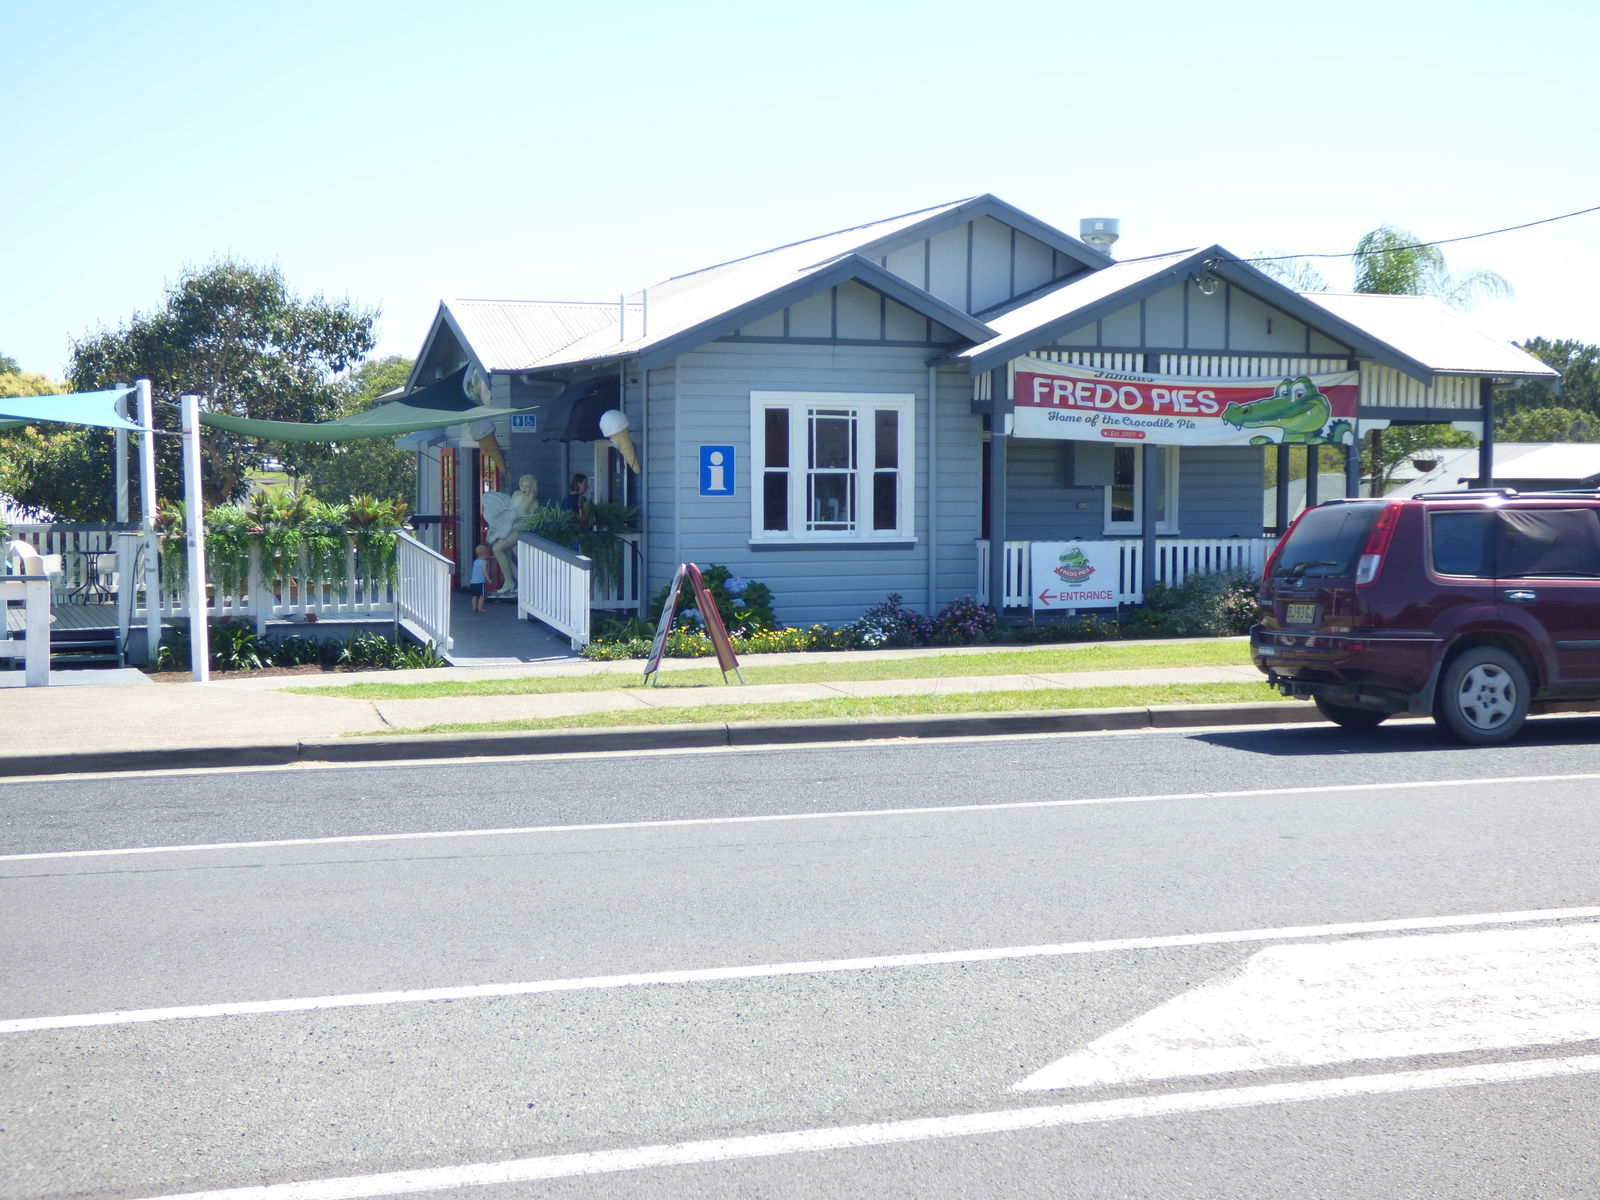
195,538
120,438
147,522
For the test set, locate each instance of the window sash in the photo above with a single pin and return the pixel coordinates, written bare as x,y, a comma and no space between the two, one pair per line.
832,466
1124,496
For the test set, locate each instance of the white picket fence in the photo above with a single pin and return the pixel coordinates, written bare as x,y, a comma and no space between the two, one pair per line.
558,586
418,596
105,564
25,582
1176,560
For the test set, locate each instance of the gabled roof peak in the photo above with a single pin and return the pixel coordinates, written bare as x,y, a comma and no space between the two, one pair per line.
898,221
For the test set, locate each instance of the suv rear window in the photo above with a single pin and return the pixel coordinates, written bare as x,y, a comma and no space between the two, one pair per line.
1326,541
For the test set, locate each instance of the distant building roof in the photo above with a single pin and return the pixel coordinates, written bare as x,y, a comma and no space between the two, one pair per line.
1516,464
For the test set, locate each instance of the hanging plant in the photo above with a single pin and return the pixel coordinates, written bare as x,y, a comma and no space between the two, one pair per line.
281,536
323,534
174,552
229,532
373,523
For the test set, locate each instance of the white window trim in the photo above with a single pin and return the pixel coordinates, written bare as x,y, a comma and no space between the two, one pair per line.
1170,524
863,403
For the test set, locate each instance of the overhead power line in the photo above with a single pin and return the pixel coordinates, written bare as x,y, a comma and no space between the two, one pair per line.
1437,242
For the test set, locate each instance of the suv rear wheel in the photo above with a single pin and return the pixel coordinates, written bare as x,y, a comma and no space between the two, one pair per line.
1349,716
1483,696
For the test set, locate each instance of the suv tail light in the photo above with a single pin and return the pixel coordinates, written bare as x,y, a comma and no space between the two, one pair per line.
1371,560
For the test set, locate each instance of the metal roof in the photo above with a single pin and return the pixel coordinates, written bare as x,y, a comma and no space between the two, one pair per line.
528,335
687,302
1431,332
1023,322
1549,463
515,335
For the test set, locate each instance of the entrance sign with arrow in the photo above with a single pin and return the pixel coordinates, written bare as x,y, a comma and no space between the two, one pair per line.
1080,574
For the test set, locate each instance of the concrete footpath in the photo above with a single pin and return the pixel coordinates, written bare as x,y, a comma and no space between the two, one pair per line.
109,721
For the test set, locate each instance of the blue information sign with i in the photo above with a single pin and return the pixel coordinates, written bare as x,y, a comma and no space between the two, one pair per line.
716,470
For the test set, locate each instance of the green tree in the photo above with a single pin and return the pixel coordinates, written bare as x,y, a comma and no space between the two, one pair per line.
26,383
1552,423
237,336
1579,364
367,466
1391,262
9,365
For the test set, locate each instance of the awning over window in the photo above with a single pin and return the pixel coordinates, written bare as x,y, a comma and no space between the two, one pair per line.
574,415
436,406
75,408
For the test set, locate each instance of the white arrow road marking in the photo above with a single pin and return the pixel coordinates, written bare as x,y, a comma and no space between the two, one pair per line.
1299,1006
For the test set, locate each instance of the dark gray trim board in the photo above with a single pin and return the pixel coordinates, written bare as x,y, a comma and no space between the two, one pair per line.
852,267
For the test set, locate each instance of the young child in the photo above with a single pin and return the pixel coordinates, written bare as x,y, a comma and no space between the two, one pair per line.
480,578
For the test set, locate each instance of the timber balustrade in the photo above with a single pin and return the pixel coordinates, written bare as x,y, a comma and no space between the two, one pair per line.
1176,560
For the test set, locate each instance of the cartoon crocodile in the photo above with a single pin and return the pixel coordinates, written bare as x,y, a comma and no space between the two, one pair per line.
1297,408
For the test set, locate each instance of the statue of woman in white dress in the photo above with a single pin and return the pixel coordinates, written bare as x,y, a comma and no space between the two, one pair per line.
503,514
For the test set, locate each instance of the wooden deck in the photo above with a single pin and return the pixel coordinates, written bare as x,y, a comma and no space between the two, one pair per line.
66,616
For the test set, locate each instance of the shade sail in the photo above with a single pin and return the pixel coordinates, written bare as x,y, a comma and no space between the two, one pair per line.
75,408
433,407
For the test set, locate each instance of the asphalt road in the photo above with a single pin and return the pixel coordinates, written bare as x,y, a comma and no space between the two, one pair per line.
1270,962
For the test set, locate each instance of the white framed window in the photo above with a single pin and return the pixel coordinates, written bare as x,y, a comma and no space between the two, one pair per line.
1125,494
831,466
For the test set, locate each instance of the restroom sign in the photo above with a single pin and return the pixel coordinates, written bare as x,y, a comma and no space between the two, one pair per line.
716,470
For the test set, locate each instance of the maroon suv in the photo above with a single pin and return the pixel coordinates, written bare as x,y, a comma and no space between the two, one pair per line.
1474,607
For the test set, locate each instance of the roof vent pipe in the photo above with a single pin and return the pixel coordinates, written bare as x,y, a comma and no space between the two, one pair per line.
1100,232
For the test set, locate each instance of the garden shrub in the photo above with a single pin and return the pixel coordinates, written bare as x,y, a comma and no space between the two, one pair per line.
887,624
744,604
1220,604
964,621
236,646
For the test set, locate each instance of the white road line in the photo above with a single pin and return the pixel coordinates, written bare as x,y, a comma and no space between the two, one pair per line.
772,970
769,818
1355,1000
851,1137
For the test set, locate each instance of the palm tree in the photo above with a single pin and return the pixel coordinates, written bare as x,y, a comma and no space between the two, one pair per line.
1391,262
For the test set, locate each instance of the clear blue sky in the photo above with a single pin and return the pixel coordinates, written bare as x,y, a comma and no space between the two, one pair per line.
398,152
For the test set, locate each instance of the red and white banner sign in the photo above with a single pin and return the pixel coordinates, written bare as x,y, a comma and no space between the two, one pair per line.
1058,400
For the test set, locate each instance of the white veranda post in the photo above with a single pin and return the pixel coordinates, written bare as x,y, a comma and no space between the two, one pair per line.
147,520
195,539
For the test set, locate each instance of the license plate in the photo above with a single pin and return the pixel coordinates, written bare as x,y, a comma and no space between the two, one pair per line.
1300,614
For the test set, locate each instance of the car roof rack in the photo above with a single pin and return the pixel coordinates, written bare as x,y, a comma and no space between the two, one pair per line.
1467,494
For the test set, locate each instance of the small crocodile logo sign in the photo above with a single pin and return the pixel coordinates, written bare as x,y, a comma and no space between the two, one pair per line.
1075,566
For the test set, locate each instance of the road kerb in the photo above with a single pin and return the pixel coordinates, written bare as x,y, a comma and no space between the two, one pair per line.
424,747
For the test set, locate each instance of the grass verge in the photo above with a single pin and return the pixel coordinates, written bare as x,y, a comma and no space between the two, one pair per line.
834,669
854,708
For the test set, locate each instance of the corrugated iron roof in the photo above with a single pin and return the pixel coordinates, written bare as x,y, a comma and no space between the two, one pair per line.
515,335
1431,332
1069,298
685,301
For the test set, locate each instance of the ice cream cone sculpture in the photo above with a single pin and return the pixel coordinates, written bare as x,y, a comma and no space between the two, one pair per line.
614,425
483,431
